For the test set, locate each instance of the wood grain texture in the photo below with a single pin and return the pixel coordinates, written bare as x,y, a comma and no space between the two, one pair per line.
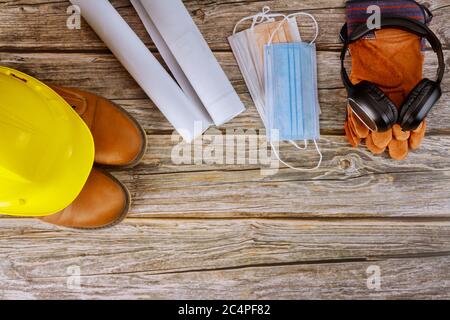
227,259
332,102
216,20
351,183
102,74
228,231
415,278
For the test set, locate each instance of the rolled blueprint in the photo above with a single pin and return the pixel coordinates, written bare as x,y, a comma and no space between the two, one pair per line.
195,58
189,119
167,55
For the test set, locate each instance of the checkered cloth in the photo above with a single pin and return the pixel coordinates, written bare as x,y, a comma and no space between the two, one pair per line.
356,11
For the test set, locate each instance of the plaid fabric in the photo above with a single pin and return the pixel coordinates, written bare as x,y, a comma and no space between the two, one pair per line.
356,11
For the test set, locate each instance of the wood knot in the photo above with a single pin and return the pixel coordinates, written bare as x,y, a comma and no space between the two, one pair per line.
344,164
200,14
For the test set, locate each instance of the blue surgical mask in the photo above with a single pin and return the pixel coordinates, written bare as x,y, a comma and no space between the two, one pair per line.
292,106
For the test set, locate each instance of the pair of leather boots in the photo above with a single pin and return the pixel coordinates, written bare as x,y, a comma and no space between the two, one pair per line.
120,142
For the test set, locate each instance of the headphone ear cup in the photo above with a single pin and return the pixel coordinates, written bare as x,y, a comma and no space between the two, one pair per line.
373,107
411,98
418,104
386,105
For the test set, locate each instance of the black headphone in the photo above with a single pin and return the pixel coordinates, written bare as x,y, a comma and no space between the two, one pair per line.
369,102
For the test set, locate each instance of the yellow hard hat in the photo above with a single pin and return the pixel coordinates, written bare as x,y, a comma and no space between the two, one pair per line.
46,150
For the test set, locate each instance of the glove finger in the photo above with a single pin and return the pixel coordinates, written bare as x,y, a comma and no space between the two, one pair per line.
351,126
398,149
399,134
420,128
360,129
382,139
351,137
372,147
417,136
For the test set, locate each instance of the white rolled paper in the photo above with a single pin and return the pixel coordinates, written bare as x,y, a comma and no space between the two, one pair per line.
195,58
189,119
167,55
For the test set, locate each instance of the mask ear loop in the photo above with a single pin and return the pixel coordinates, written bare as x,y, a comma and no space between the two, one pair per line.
266,18
257,18
294,15
276,30
298,147
316,24
300,169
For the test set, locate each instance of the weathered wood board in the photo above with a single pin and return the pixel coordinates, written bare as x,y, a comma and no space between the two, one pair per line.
216,20
203,231
248,259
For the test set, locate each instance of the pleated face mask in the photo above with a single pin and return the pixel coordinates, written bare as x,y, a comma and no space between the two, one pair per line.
248,48
292,106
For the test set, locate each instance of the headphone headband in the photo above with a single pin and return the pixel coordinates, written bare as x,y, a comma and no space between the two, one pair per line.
402,23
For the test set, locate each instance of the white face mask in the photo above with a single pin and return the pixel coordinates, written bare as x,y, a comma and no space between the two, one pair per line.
248,48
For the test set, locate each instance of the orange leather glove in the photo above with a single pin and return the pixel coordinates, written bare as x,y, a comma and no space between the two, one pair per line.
393,61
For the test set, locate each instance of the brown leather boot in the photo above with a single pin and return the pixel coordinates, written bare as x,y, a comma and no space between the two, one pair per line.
119,139
103,202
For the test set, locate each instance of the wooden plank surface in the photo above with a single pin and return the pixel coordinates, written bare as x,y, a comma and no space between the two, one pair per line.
23,16
228,231
103,74
421,278
227,259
